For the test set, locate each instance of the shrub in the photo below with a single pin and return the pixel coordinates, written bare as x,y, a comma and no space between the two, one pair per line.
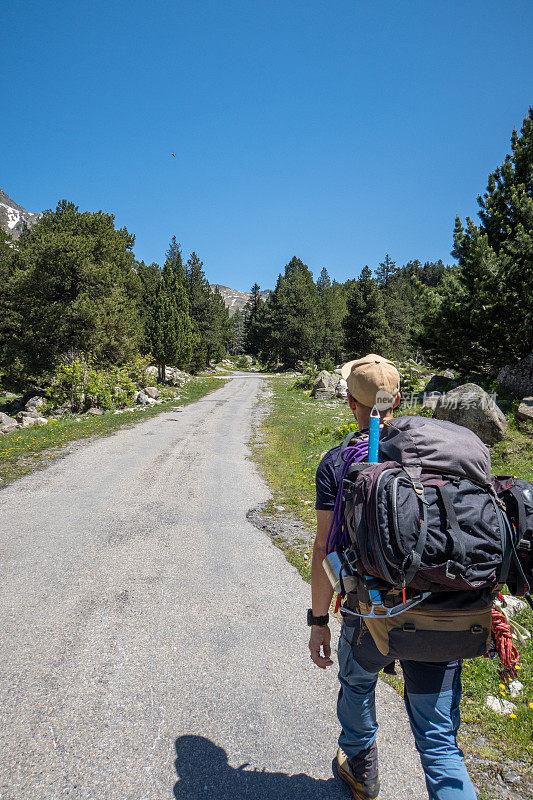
307,378
81,385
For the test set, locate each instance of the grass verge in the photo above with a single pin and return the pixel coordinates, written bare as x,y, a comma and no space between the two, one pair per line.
294,434
28,449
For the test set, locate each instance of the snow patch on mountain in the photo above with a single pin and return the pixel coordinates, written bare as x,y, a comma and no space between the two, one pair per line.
13,217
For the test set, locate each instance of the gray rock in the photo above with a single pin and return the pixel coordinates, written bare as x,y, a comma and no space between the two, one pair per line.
323,394
469,405
95,412
35,403
430,400
499,705
6,421
441,383
525,409
21,414
341,388
518,378
28,422
153,392
144,400
513,605
326,381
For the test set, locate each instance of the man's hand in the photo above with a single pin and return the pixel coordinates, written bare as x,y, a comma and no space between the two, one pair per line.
320,638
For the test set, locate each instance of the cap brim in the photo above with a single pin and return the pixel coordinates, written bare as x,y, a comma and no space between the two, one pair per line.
347,368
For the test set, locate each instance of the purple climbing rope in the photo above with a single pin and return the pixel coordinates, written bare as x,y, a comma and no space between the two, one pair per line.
338,538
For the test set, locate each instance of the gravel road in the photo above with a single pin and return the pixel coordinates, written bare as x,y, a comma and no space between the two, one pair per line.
153,642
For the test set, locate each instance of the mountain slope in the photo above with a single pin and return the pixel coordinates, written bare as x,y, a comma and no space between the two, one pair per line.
234,299
13,217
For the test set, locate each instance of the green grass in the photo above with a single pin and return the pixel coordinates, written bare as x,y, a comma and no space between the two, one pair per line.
27,449
293,436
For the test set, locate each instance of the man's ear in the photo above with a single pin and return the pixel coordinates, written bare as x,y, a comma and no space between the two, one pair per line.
351,402
397,401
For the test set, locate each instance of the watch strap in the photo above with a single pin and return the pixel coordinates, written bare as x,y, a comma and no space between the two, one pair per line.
320,621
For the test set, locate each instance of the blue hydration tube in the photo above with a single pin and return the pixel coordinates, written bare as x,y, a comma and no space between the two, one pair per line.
373,436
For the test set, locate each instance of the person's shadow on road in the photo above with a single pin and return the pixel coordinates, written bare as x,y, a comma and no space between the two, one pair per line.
204,774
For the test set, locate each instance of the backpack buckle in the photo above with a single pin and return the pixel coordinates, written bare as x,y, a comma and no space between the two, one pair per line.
449,573
347,490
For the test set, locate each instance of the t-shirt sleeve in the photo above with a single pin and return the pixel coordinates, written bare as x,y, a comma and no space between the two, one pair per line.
326,485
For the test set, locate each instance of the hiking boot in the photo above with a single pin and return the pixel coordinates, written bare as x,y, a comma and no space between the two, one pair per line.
360,772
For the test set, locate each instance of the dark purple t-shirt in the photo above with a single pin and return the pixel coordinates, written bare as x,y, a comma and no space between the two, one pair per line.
328,476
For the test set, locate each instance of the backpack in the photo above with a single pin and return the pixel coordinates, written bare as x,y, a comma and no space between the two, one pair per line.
428,541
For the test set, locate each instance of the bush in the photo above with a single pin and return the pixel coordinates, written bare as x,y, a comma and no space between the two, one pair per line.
343,431
80,385
242,362
136,369
307,378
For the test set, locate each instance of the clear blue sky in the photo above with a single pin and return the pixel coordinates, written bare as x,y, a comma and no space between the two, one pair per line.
336,131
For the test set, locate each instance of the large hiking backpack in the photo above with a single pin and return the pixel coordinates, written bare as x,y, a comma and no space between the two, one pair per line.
428,541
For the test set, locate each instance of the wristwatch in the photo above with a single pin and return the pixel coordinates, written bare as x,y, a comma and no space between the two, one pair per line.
320,621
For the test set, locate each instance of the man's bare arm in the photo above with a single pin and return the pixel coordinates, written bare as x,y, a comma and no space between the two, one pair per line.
321,592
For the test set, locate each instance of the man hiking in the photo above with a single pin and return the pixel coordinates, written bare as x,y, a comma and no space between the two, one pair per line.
432,690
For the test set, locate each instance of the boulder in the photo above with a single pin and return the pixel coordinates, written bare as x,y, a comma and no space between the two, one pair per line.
34,403
513,605
525,409
518,378
469,405
441,383
323,394
325,380
28,422
341,388
6,422
95,412
153,392
144,400
430,400
21,414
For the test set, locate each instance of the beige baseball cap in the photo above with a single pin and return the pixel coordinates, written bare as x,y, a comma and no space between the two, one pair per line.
372,380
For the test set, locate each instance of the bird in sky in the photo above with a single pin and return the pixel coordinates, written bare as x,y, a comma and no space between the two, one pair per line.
173,154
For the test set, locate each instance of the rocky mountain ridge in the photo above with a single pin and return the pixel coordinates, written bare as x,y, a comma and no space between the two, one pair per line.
234,299
13,217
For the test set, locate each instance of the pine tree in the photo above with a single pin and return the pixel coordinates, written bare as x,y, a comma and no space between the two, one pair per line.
365,324
484,317
209,312
175,261
292,316
332,308
238,339
169,329
254,322
75,288
386,271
